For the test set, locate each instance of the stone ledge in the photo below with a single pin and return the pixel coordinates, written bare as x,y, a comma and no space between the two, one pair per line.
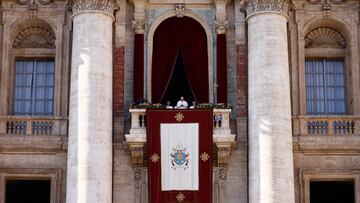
327,144
10,144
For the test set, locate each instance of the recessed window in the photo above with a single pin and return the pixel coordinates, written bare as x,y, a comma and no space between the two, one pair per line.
332,192
325,87
34,87
36,191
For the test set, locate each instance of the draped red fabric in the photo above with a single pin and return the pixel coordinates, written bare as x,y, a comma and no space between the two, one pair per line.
155,118
138,75
184,34
221,65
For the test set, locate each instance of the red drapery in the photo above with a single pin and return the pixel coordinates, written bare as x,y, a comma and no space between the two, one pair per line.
221,68
204,118
138,75
184,34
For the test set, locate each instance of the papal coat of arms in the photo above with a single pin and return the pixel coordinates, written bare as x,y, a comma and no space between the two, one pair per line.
180,158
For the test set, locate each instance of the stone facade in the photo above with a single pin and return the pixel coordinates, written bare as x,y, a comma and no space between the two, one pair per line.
92,43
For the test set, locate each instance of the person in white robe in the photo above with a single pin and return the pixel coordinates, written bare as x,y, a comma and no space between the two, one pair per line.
182,104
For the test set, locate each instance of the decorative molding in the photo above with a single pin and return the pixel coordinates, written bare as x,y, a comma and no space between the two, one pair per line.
34,2
223,154
259,6
107,6
34,37
326,4
139,26
33,5
221,27
325,37
137,153
179,10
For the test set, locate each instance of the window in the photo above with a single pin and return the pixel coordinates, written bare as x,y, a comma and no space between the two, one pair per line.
34,87
325,86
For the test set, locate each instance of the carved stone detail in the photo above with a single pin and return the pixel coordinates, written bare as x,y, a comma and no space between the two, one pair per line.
221,27
137,153
179,10
326,4
223,154
139,26
107,6
325,37
258,6
34,37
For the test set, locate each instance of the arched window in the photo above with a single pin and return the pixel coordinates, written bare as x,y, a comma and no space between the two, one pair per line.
325,82
34,71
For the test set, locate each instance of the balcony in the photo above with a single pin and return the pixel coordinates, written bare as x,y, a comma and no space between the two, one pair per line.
32,134
334,125
222,137
25,125
330,134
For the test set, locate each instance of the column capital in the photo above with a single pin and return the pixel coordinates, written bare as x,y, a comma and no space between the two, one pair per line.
253,7
107,6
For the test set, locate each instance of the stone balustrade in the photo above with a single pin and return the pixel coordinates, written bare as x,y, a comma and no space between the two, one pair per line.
33,125
222,137
331,125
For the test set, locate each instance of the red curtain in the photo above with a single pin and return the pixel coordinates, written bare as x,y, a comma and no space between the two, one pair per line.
221,68
184,34
138,75
204,118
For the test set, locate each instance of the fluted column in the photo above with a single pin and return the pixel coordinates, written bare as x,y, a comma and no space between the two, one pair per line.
89,171
271,177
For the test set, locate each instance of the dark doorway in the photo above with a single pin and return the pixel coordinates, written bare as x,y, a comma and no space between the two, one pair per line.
332,192
30,191
179,83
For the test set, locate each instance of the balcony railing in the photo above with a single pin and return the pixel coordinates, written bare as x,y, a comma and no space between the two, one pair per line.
26,125
222,136
337,125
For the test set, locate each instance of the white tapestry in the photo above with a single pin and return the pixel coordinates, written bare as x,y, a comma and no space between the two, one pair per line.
179,156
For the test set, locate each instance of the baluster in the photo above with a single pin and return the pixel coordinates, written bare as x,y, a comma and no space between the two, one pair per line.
313,127
343,127
326,127
335,127
309,127
352,127
317,127
144,120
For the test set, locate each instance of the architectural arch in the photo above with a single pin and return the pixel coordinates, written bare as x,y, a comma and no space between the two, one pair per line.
328,41
150,38
26,27
334,24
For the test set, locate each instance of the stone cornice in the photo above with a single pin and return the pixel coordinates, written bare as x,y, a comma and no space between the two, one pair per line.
107,6
261,6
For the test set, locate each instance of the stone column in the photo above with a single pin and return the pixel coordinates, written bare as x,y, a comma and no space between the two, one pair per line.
89,171
271,176
139,26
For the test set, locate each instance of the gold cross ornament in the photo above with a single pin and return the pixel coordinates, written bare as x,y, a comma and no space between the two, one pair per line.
204,156
155,158
180,197
179,117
